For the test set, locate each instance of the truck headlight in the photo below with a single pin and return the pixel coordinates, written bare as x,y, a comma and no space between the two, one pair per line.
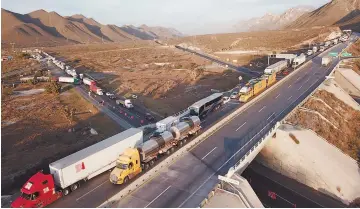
114,178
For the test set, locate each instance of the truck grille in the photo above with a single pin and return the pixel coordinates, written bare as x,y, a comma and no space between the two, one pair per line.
114,178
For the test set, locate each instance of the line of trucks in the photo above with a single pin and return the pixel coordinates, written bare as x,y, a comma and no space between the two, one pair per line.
125,153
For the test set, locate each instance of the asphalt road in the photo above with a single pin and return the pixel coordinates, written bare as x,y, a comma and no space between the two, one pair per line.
277,191
186,182
126,118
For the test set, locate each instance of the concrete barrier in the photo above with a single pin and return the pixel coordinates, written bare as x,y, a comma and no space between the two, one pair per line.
169,160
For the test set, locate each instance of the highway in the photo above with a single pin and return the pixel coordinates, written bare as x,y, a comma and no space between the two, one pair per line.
186,182
277,191
126,118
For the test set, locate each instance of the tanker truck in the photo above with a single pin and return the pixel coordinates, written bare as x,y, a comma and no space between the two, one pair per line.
67,173
136,160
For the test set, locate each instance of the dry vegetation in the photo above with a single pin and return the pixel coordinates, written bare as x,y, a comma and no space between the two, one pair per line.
335,121
166,79
19,62
38,129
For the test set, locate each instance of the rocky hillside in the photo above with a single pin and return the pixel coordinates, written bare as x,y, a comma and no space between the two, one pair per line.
344,13
272,21
42,28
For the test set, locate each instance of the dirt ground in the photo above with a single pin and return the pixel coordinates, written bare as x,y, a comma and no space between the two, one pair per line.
165,79
18,63
39,129
263,40
335,121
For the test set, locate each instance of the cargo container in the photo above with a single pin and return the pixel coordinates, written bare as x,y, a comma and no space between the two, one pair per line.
299,60
67,173
96,90
137,160
277,67
69,80
325,61
270,79
88,81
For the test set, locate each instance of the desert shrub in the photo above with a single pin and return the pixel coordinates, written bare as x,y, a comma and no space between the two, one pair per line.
24,55
293,137
53,88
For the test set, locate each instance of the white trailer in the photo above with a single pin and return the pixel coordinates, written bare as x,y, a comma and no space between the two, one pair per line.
88,81
165,124
325,61
277,67
299,60
94,160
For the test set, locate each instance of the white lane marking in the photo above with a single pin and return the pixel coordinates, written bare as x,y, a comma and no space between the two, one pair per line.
289,97
300,88
91,190
157,196
262,108
289,86
208,153
314,73
270,116
307,79
297,78
240,126
206,180
277,96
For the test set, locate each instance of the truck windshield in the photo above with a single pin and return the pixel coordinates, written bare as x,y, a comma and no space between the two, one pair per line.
121,166
26,196
194,111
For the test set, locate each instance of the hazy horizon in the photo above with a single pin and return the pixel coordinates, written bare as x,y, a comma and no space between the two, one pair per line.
188,17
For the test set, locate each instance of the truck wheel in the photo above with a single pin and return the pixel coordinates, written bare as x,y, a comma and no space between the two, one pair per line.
184,141
146,166
66,191
74,187
180,143
152,163
126,179
172,149
168,152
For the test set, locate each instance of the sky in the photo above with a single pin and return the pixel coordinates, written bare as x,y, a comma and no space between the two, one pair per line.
190,17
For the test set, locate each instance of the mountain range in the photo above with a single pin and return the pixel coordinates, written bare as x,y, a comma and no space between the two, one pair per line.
343,13
272,21
49,28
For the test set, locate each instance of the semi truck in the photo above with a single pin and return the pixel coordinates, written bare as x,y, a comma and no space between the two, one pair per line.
299,60
125,103
67,173
136,160
277,67
325,61
88,81
322,48
251,89
96,90
69,80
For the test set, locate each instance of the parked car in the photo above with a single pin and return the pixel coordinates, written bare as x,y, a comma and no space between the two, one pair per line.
110,95
149,117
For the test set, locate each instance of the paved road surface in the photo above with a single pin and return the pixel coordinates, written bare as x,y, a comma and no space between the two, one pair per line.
277,191
190,178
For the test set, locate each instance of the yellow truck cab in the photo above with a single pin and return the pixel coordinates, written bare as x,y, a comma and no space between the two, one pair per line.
127,166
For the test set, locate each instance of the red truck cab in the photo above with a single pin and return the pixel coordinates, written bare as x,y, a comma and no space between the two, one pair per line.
39,191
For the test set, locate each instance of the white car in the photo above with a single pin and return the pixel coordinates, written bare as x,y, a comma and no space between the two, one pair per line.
234,95
226,99
109,94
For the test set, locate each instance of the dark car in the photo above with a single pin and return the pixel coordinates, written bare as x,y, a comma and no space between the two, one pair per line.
149,117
